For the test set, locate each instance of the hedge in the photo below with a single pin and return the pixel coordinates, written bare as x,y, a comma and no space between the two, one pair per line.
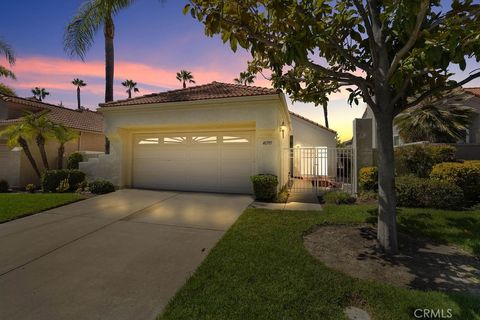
265,186
51,179
368,179
101,187
418,159
73,160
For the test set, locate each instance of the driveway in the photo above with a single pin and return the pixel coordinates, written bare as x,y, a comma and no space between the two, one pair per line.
117,256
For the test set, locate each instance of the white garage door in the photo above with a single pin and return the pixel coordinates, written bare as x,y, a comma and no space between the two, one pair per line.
207,161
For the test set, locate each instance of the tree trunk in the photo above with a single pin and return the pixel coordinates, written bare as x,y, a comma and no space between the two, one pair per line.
61,152
41,147
109,58
387,222
325,115
23,143
78,98
184,85
129,94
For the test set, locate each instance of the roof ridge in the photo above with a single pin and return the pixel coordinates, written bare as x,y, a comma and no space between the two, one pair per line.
311,121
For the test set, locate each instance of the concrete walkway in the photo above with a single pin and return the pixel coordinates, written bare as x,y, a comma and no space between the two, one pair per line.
118,256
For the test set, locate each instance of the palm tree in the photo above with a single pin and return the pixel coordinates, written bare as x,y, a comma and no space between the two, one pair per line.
40,93
130,85
436,120
17,135
9,54
41,128
63,135
185,76
80,33
245,78
79,84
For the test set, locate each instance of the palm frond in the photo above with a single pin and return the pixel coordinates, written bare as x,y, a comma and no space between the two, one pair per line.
4,72
80,33
7,51
7,90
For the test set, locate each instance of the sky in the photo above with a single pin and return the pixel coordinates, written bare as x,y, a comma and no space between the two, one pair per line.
153,41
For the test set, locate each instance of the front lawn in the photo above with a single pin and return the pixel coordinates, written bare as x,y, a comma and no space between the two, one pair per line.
261,270
17,205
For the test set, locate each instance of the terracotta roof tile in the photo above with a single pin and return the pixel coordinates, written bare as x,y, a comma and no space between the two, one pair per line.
77,119
214,90
475,91
311,121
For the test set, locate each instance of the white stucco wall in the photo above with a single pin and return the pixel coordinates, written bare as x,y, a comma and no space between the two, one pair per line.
307,134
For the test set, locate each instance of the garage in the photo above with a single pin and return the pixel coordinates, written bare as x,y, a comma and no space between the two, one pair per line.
194,161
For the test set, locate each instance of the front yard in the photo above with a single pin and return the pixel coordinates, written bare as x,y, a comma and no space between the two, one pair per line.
261,270
17,205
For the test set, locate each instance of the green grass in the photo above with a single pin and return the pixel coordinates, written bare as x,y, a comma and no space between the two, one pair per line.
17,205
261,270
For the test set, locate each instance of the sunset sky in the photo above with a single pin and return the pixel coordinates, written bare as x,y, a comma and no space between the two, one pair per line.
153,41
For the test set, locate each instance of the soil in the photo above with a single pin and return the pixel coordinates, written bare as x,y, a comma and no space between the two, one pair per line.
421,263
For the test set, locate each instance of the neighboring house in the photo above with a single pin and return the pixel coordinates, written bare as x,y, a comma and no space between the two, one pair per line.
15,167
473,132
308,133
210,138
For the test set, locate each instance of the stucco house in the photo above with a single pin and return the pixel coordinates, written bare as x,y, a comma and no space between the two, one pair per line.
15,167
209,138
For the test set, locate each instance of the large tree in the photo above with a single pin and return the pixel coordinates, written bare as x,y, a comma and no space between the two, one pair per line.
391,54
7,51
78,83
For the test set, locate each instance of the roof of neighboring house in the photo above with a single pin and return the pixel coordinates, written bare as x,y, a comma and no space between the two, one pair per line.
475,91
312,122
76,119
214,90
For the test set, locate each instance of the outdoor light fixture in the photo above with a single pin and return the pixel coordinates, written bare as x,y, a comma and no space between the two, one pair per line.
283,127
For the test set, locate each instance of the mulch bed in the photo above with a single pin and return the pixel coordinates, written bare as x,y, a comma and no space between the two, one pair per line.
420,264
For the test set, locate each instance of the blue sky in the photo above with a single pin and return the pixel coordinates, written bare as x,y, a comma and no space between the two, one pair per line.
153,41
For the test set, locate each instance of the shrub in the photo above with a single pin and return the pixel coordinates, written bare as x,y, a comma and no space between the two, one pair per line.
466,175
338,197
30,188
264,186
51,179
418,192
419,159
101,187
4,187
73,160
64,186
368,178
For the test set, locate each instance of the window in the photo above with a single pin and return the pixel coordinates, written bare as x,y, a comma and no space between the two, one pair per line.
174,140
149,141
232,139
204,139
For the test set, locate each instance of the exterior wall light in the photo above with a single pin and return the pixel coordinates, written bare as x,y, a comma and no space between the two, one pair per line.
283,127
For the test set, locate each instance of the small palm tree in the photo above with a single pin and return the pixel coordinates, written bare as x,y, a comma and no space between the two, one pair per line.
185,76
79,84
17,135
444,120
41,128
9,54
130,85
63,135
40,93
245,78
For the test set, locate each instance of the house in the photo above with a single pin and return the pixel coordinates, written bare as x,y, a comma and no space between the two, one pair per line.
15,167
209,138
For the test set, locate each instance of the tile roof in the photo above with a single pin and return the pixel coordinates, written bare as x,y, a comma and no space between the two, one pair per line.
76,119
475,91
311,121
214,90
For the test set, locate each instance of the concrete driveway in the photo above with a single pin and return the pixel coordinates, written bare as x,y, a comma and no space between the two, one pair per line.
118,256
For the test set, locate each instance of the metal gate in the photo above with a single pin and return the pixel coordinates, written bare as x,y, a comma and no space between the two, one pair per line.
320,169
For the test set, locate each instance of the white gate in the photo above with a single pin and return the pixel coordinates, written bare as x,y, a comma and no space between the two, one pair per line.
320,169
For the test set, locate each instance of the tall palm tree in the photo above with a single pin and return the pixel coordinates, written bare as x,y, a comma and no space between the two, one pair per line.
79,84
80,33
9,54
41,128
63,135
245,78
40,93
185,76
17,135
436,121
130,85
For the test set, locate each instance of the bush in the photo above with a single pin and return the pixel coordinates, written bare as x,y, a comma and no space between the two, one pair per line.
101,187
338,197
73,160
64,186
368,179
264,186
51,179
4,187
418,192
30,188
419,159
466,175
